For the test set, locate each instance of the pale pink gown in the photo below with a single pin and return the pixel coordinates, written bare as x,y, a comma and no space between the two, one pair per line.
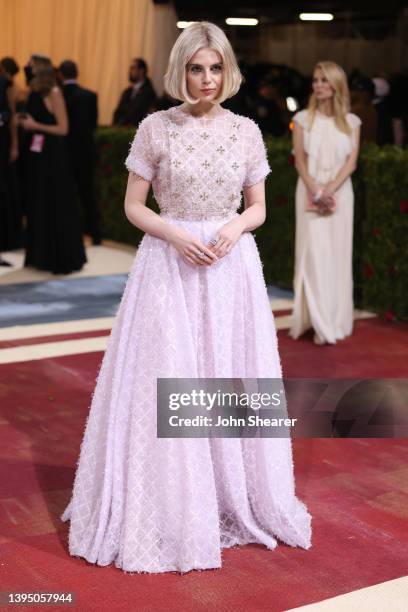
157,505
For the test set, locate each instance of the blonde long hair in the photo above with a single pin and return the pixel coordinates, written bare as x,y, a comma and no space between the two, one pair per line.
44,75
341,96
194,37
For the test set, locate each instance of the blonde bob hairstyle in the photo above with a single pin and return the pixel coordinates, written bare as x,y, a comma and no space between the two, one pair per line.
194,37
337,79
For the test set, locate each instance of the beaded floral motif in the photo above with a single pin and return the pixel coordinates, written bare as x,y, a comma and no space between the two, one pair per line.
198,167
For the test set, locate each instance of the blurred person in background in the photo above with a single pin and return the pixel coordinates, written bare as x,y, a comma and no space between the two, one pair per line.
9,70
382,105
399,107
270,111
326,140
10,209
354,77
54,240
362,95
139,99
25,136
82,109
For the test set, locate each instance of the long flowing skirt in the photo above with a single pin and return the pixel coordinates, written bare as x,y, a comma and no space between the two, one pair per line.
153,504
323,281
54,236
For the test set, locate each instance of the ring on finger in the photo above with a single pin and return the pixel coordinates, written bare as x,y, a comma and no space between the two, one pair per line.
220,243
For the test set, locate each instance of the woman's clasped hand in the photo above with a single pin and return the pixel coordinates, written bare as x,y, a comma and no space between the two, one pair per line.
325,201
196,252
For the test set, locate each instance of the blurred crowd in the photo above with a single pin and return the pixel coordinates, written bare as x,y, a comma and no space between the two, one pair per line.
47,158
271,94
48,152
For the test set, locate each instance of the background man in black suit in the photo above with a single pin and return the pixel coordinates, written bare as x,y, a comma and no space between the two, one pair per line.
137,100
82,109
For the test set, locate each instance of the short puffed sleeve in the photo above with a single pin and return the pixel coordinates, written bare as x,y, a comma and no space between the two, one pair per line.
354,122
142,158
301,118
257,167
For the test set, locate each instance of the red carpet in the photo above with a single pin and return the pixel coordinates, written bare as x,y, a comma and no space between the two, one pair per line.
375,350
356,490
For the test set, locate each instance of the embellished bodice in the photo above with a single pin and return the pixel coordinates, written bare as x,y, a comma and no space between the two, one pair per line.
198,166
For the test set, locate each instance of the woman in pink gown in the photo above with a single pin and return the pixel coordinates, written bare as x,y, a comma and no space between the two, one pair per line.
195,305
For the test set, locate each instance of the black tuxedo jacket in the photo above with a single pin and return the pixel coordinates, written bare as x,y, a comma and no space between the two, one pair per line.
82,109
130,111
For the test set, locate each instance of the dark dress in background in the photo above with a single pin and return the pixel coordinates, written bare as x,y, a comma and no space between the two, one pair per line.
82,109
10,206
54,238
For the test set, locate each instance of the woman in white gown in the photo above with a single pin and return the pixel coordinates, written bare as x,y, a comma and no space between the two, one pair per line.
195,306
326,141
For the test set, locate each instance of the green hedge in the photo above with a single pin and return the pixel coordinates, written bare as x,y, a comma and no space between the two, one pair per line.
385,231
380,223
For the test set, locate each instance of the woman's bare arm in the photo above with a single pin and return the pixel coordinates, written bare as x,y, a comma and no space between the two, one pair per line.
150,222
139,214
252,217
301,159
254,214
58,107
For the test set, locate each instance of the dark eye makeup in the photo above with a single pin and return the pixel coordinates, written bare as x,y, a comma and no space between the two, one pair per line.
198,67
